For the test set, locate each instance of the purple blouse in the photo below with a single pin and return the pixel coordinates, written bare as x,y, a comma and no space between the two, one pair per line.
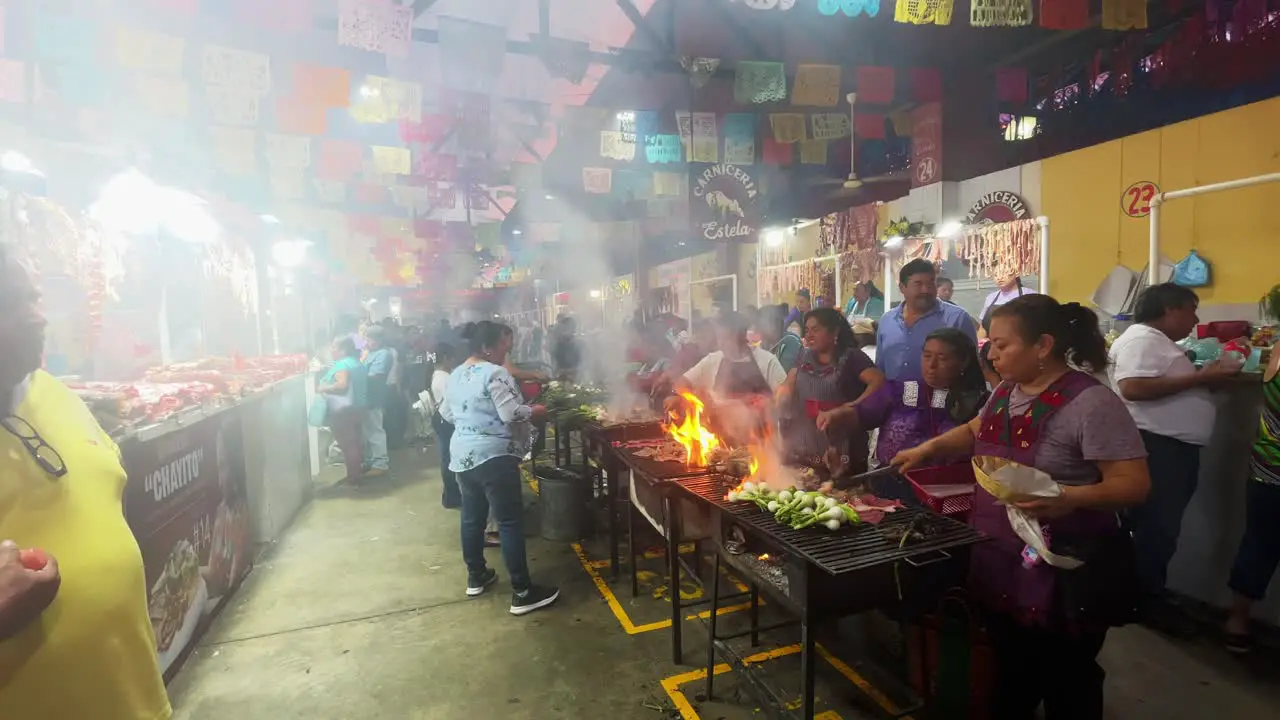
908,412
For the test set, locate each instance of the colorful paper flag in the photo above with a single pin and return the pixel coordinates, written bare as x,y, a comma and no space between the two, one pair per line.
817,85
287,151
322,85
705,147
300,118
813,152
924,12
1011,13
235,68
830,126
391,160
870,125
232,105
235,150
875,84
664,149
1124,14
163,96
667,184
926,85
334,191
151,51
740,138
339,159
375,25
614,147
788,127
1064,14
598,181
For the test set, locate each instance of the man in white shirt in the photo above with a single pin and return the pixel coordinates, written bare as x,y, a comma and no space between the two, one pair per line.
1171,404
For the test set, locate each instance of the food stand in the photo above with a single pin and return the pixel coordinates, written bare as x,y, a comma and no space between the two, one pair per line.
1214,520
151,296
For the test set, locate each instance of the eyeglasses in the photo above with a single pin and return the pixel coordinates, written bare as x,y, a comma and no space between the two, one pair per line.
42,452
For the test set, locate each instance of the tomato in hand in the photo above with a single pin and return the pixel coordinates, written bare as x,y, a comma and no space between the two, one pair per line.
33,558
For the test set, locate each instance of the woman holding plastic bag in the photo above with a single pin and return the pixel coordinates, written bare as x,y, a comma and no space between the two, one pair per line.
1057,455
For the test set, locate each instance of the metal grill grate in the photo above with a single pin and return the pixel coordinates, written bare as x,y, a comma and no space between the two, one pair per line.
852,547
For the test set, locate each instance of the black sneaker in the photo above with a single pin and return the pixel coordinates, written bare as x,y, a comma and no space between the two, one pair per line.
533,599
477,584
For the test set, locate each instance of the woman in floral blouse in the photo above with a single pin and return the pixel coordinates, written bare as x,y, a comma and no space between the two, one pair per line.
491,435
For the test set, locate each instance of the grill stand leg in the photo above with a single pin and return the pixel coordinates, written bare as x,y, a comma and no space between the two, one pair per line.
755,608
670,526
631,550
610,473
711,626
806,651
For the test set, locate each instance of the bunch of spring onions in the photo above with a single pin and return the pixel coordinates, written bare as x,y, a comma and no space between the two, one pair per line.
796,509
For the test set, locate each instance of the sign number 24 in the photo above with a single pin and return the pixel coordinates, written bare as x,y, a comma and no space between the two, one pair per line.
1136,201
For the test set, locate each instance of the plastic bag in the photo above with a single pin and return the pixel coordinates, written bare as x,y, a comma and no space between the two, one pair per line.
1191,271
1009,482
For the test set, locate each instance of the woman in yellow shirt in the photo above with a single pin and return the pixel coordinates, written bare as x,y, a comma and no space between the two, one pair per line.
75,636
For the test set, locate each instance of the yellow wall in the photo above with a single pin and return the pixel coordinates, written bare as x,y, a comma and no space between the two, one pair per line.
1237,231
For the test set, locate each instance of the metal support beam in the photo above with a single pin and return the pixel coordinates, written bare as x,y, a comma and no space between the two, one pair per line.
421,6
642,25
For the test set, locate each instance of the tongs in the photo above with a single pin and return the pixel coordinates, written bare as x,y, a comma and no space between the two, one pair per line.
840,483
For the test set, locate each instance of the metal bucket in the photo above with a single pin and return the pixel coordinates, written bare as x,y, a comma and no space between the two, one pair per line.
564,498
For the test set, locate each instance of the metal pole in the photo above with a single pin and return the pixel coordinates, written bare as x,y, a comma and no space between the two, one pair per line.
1217,187
1043,222
837,304
1153,245
759,267
888,281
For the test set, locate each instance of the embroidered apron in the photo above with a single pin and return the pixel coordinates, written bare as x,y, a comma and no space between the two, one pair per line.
818,390
997,576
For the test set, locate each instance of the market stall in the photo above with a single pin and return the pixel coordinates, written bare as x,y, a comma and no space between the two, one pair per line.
152,302
1214,520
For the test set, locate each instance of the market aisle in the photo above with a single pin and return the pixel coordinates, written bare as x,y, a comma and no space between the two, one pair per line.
359,613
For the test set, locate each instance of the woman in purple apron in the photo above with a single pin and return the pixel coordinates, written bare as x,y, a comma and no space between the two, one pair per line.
831,375
909,412
1046,624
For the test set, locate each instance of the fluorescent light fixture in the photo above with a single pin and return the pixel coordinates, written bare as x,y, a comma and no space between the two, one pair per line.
894,241
517,231
774,238
951,228
595,294
626,115
550,196
270,219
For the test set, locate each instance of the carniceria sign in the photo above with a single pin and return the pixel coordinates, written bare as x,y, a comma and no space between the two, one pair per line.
725,203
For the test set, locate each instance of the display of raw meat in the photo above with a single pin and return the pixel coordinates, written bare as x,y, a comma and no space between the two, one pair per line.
660,450
872,509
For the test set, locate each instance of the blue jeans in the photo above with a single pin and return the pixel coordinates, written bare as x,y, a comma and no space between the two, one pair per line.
375,441
494,483
1156,524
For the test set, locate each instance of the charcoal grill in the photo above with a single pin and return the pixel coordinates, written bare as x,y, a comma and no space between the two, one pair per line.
817,575
598,444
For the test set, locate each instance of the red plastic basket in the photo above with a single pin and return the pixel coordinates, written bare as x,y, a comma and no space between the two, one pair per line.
925,478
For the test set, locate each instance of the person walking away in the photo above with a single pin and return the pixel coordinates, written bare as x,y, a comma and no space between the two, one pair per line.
832,376
446,362
491,435
1046,624
378,362
345,388
1259,552
901,333
866,302
774,336
75,636
1171,404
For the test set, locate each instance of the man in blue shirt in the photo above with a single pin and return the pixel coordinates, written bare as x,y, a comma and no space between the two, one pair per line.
902,332
378,361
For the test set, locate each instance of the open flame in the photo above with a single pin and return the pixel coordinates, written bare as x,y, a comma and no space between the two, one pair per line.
697,440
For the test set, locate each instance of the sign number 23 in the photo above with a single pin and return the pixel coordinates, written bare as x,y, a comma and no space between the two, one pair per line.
1136,201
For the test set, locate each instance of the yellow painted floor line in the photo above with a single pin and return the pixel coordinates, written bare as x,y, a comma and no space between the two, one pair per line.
672,684
620,613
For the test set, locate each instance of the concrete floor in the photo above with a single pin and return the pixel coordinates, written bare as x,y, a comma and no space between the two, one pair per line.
359,613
